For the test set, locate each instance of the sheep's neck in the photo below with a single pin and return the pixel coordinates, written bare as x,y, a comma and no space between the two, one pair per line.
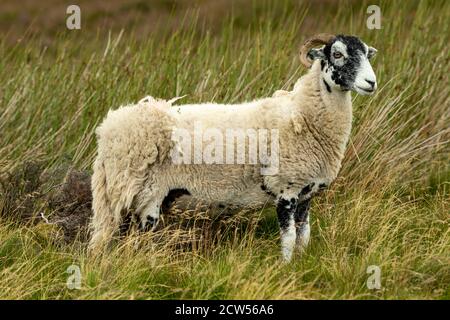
324,110
337,111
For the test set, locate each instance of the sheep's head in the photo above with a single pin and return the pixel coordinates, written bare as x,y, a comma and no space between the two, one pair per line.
344,62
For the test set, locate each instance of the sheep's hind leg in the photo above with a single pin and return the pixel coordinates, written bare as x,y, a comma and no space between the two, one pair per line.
286,210
149,216
302,228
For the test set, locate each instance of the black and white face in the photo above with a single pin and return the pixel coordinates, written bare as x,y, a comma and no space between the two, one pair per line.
345,65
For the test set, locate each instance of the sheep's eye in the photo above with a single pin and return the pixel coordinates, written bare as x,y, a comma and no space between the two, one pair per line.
337,55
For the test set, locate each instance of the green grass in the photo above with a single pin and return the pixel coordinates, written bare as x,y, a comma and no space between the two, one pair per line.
389,206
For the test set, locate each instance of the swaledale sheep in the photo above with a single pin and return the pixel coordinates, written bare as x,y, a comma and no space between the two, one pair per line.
134,168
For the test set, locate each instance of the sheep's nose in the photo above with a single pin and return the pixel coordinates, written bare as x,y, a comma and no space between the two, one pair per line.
372,83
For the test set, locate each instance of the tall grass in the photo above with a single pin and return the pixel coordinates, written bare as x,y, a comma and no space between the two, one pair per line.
389,207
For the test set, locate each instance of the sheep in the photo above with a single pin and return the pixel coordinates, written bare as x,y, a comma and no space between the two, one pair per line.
135,166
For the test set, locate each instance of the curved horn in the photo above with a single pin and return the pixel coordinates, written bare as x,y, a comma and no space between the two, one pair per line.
314,41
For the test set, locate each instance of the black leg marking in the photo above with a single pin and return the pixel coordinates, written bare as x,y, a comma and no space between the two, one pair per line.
150,223
301,212
285,210
301,218
307,189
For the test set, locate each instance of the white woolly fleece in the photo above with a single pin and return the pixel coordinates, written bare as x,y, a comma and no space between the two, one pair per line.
133,166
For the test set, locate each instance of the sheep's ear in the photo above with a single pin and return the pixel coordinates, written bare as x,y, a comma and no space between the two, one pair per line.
371,52
314,54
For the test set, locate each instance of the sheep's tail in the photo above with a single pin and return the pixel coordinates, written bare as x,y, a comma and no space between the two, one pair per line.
104,222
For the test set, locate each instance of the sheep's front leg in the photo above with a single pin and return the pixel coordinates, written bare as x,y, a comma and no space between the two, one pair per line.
286,210
302,228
